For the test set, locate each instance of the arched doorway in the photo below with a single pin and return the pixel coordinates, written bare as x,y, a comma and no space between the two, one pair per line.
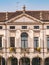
46,61
2,61
12,61
36,61
24,61
24,40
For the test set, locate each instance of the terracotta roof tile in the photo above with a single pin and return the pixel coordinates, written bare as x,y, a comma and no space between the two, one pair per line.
13,14
2,16
36,14
45,15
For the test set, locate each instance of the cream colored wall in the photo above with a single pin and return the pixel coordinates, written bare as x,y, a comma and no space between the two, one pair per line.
18,41
42,34
46,33
24,19
6,34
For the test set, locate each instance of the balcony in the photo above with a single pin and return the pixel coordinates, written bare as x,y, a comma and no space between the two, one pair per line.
24,50
38,49
12,49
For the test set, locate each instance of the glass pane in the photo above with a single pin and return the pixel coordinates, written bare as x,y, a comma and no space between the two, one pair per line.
12,27
47,44
35,42
24,34
26,44
12,41
25,61
24,27
36,27
0,41
47,61
3,61
22,44
36,38
47,27
24,38
0,27
36,61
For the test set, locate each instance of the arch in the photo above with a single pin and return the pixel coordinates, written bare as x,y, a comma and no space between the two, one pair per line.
12,61
46,62
2,61
24,40
24,61
24,34
36,61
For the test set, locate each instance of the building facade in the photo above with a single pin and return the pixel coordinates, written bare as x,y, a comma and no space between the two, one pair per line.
24,38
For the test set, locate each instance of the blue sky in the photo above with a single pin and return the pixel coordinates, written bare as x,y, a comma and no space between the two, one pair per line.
13,5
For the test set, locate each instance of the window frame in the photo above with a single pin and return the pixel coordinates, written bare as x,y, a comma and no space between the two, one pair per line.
1,42
24,46
36,27
12,27
24,27
36,42
47,42
47,27
12,44
1,27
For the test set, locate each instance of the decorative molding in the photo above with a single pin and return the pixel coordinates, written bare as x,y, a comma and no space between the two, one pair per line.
18,32
41,15
6,16
31,33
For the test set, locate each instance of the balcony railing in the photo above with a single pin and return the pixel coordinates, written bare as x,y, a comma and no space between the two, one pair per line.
12,49
25,50
38,49
21,50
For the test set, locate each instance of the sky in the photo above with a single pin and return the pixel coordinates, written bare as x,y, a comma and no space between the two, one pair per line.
14,5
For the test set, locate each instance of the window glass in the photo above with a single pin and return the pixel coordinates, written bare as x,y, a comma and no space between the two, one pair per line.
12,27
24,40
48,42
35,42
12,41
24,27
0,41
36,27
47,27
0,27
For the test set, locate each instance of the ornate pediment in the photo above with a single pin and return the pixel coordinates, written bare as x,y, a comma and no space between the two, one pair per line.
24,18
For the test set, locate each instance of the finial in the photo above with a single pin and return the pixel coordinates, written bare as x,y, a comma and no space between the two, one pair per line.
40,15
6,15
24,8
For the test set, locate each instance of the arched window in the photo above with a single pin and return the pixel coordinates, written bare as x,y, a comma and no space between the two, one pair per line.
2,61
46,61
12,61
36,61
24,61
24,40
